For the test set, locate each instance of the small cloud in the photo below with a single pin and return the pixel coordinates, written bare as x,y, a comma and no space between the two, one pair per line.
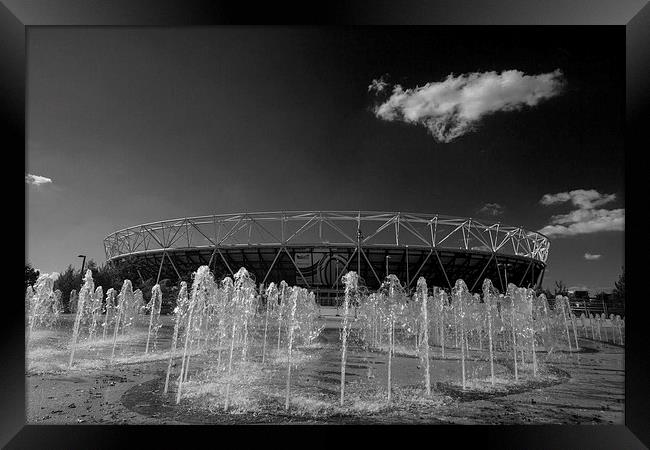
585,218
377,85
455,106
591,257
493,209
36,180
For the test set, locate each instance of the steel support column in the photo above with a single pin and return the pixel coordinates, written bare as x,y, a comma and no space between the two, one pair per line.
482,271
442,267
174,266
296,266
271,266
162,260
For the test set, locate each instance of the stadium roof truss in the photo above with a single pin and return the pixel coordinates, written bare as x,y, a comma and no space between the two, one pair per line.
358,233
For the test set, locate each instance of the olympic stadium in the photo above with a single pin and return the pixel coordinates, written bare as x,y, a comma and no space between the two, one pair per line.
314,249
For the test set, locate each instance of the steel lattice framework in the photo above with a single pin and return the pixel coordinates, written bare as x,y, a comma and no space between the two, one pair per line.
316,248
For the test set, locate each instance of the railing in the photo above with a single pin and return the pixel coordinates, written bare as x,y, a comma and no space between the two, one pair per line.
588,307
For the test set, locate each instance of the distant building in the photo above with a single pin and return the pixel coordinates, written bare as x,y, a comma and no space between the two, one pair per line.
604,296
579,295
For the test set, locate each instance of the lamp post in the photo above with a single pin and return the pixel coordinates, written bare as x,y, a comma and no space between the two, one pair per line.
387,258
83,264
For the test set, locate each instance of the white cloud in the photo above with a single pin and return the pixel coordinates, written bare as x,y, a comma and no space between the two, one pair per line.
581,198
36,180
377,85
591,257
493,209
455,106
586,218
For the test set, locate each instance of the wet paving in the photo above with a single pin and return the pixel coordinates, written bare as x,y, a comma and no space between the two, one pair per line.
584,387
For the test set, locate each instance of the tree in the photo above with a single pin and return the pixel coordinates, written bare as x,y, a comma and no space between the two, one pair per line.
107,277
92,266
619,286
31,275
547,292
560,288
68,280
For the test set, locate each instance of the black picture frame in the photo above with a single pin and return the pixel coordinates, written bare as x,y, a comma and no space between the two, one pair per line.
16,16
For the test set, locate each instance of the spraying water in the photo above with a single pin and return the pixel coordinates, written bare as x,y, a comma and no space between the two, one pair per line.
271,300
85,295
529,295
561,302
460,292
42,302
422,289
123,297
393,307
95,311
201,286
243,286
109,310
511,296
280,310
489,296
179,313
184,359
291,326
351,282
228,313
154,306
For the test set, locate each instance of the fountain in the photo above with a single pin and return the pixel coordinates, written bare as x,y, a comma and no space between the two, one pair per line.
95,311
109,311
392,307
573,325
531,326
212,317
244,287
154,306
351,282
42,302
489,296
280,310
179,314
121,310
460,295
271,302
422,289
85,296
442,304
290,328
199,298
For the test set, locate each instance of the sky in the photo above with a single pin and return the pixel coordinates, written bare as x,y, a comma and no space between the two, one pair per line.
520,125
